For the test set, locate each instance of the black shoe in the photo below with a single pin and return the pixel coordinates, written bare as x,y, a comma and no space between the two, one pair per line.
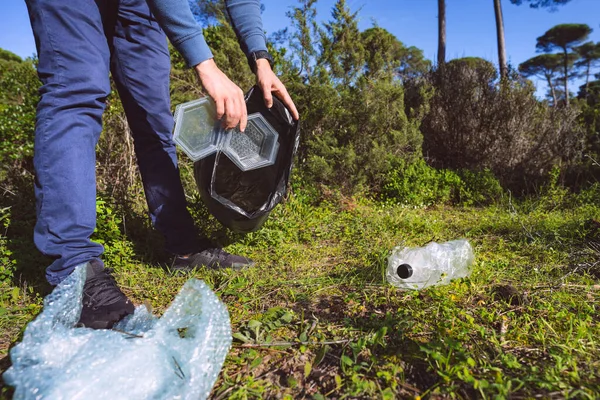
213,258
103,302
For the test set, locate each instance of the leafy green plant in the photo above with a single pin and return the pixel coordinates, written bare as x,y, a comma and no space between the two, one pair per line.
479,188
108,233
18,99
7,261
589,195
553,193
258,330
419,184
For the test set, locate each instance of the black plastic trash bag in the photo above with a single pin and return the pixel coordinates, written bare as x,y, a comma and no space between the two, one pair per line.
240,200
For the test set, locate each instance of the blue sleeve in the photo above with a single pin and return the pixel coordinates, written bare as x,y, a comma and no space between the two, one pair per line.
176,18
247,23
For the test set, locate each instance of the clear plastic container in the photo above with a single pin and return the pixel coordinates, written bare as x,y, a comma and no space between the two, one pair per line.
255,148
197,130
199,134
411,268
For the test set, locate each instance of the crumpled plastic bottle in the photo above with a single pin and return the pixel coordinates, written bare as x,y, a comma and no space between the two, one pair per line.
178,356
411,268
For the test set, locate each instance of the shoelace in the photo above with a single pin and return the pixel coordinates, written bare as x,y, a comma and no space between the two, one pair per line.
217,253
102,289
214,253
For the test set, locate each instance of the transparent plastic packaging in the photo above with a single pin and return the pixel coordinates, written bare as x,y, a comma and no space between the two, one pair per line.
199,134
197,130
178,356
411,268
255,148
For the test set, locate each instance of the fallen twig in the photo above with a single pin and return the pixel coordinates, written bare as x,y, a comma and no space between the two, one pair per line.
128,333
7,190
503,329
275,344
568,285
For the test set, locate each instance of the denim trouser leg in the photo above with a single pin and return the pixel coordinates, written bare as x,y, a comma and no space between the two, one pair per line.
73,67
75,40
140,66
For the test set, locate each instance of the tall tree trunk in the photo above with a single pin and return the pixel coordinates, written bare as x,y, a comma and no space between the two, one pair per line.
441,57
501,42
587,77
551,86
566,77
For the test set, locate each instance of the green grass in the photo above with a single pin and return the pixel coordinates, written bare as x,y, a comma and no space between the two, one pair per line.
316,319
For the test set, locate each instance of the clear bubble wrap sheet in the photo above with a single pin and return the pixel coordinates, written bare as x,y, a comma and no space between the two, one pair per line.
178,356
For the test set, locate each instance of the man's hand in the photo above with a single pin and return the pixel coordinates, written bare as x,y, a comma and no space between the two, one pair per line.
228,97
270,83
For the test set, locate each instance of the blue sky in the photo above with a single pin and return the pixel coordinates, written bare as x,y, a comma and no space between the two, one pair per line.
471,27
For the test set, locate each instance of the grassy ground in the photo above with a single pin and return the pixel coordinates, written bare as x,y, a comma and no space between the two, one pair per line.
525,324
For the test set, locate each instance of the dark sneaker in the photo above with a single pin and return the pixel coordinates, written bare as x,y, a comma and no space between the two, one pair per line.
103,302
213,258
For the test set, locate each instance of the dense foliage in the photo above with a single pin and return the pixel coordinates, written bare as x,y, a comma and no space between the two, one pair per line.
475,122
370,104
18,99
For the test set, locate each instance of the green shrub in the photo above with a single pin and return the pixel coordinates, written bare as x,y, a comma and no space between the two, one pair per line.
479,187
108,233
420,184
553,193
9,56
474,122
7,262
589,195
354,136
18,100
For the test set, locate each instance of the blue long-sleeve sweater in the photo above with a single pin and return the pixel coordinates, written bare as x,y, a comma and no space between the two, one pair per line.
176,18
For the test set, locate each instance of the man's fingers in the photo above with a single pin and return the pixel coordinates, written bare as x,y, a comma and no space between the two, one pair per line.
267,95
284,96
228,97
220,105
240,105
232,116
244,117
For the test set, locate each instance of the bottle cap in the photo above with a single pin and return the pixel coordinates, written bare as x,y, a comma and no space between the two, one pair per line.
404,271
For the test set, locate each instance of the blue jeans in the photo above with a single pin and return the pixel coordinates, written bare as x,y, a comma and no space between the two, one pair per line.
79,42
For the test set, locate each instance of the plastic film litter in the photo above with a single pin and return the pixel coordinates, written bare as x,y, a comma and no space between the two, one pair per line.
178,356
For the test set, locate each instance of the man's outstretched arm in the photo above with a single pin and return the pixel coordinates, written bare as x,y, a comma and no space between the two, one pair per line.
176,18
247,23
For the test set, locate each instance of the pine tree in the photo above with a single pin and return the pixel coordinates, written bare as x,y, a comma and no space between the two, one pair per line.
564,37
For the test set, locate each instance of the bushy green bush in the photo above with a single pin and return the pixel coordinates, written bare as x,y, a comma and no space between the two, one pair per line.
354,136
419,184
109,233
553,194
474,121
416,183
590,195
479,188
18,100
7,262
